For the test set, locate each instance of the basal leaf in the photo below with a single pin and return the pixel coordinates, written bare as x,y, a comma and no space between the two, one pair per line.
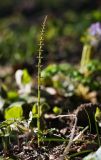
15,111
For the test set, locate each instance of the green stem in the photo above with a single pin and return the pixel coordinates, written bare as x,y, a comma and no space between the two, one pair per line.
86,56
97,131
39,77
39,84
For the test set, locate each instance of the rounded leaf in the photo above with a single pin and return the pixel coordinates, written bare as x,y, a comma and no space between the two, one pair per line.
14,112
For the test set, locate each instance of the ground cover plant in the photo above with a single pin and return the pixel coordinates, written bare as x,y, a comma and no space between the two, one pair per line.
55,114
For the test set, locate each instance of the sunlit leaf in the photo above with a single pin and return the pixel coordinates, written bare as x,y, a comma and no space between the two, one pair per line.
12,95
26,78
57,110
15,111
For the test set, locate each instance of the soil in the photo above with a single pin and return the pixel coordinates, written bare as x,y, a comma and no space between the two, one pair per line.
26,145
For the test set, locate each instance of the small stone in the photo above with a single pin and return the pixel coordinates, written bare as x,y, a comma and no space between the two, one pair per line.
51,157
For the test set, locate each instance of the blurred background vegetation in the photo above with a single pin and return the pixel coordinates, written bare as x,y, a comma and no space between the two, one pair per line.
20,23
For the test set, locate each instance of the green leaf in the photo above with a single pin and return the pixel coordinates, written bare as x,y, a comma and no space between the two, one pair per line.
57,110
98,115
26,78
14,111
35,109
12,95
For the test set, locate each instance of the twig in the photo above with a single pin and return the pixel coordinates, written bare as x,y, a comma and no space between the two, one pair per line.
62,157
71,137
61,116
80,134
